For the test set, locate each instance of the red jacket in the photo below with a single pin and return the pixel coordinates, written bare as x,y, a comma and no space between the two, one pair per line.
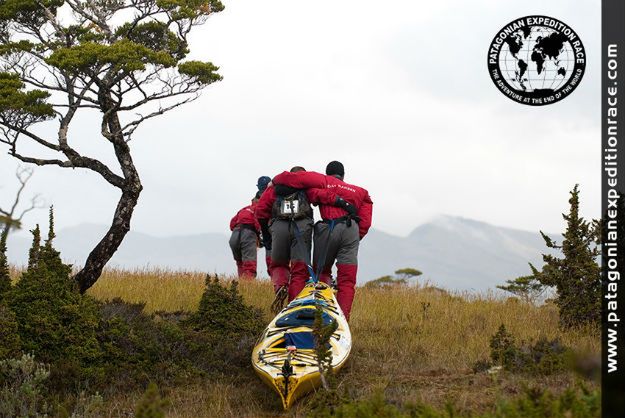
315,196
355,195
245,216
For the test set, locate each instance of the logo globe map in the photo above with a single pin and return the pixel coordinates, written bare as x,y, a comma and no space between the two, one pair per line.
536,60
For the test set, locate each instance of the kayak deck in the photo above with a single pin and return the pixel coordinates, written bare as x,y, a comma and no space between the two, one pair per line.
284,356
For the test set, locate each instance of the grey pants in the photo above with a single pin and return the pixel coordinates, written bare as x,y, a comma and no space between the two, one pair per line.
340,245
243,244
289,245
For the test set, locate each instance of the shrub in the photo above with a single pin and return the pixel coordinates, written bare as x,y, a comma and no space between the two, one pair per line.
540,403
87,406
22,387
166,348
5,276
151,404
10,343
533,403
544,357
223,313
55,322
577,275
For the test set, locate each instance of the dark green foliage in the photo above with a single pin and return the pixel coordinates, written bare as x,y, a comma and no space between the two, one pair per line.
33,253
539,403
115,345
5,277
533,403
322,334
408,273
10,343
124,55
31,103
544,357
528,288
166,348
374,406
138,348
151,405
577,276
155,36
328,398
27,11
56,323
502,346
401,278
223,314
201,72
122,59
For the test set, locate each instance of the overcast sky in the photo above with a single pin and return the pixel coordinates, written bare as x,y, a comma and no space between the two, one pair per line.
398,91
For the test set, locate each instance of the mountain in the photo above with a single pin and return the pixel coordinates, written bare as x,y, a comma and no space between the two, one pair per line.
452,252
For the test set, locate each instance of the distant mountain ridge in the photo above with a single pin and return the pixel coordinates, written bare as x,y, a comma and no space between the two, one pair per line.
452,252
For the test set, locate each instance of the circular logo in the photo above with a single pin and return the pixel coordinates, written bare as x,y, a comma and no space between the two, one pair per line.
536,60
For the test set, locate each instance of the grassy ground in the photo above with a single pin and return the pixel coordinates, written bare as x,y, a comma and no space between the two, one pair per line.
411,343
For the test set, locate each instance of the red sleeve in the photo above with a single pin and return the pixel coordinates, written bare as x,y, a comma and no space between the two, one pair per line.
301,180
365,213
233,221
321,196
265,203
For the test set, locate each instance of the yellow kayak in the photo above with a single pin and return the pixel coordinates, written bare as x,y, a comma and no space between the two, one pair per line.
284,356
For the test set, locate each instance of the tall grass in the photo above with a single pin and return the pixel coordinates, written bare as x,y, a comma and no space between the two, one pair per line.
414,343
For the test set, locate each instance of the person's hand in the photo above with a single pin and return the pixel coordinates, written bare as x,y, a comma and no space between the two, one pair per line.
349,208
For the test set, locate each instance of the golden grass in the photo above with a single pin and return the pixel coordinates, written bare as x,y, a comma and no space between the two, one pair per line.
414,343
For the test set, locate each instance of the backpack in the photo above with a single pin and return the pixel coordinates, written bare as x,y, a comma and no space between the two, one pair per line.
292,207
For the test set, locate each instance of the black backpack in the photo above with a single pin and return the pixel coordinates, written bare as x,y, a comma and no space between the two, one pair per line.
292,207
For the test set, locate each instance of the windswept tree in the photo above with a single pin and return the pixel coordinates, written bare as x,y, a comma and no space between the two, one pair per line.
11,216
576,276
527,288
408,273
121,59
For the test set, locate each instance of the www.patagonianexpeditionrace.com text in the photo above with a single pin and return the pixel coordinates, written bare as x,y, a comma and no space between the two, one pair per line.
613,207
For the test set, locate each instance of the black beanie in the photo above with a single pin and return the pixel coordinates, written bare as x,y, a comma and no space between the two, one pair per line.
335,168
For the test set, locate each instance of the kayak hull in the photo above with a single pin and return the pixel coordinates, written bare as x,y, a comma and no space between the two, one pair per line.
284,356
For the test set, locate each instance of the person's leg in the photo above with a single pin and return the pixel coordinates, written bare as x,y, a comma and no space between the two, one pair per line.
236,250
249,248
268,261
347,267
326,248
300,255
280,253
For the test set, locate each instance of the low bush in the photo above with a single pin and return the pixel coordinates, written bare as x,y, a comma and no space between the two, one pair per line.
151,405
544,357
22,387
533,403
223,314
114,346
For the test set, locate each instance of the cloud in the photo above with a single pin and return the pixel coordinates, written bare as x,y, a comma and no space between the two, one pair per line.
398,91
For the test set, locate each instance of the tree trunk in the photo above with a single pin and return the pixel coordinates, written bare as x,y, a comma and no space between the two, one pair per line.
111,241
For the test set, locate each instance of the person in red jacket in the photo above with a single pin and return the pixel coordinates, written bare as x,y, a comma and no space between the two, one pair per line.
244,240
291,234
338,236
262,183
